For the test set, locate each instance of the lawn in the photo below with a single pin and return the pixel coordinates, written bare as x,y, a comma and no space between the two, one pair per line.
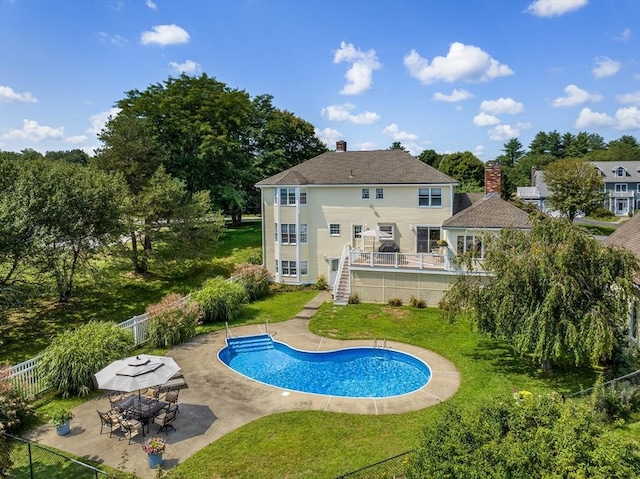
317,444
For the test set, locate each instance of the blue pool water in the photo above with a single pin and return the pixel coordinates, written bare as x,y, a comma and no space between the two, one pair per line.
353,372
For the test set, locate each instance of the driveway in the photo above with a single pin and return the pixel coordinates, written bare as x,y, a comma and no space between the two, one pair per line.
219,400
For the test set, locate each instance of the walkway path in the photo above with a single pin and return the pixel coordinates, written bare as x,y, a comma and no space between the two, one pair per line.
219,400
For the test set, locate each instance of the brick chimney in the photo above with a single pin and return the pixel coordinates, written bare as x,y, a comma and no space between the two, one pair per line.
492,178
341,145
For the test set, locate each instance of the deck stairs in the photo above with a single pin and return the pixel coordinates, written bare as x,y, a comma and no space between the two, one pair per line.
246,344
342,289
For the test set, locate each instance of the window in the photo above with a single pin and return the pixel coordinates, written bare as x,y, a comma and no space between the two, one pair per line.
365,193
379,193
621,187
621,172
304,268
288,196
288,233
275,196
334,229
292,196
430,197
303,234
357,231
277,268
389,229
470,244
289,268
275,230
285,268
303,196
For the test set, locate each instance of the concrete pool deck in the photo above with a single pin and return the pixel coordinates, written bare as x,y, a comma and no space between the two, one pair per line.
219,400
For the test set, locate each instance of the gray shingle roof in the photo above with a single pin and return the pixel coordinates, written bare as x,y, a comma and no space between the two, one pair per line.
490,212
359,168
627,236
609,168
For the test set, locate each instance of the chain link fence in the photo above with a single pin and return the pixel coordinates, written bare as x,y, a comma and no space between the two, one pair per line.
33,461
393,468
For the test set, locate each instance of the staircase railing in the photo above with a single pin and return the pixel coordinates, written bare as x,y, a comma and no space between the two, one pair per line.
343,260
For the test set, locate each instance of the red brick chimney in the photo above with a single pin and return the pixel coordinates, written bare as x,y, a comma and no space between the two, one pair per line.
341,145
492,178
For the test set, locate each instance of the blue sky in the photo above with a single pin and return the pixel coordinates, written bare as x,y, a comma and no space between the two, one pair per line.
443,75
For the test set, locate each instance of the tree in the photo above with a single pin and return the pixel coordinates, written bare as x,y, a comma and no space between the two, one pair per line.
537,436
575,187
430,157
512,152
554,293
464,167
396,145
72,156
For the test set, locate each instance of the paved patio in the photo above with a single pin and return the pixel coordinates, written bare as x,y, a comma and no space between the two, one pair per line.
219,400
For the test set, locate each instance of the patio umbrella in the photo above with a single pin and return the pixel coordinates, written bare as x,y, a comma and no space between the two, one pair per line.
374,233
136,372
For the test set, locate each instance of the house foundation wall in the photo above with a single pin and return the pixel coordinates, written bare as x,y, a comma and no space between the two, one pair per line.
381,286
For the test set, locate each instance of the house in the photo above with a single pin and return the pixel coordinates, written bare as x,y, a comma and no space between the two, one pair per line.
621,183
627,236
373,223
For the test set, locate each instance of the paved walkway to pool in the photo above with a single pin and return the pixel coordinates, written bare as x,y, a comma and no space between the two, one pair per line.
219,400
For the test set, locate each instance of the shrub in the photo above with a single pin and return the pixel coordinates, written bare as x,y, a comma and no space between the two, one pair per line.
354,299
321,282
395,302
417,303
255,257
616,402
73,357
254,278
14,408
220,300
173,321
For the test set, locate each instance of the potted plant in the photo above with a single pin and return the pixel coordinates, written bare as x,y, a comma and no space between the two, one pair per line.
154,447
442,244
61,419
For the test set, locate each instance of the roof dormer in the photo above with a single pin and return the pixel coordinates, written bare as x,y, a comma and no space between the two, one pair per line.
620,172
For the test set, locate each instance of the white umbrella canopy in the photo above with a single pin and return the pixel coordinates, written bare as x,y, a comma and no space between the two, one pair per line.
374,233
136,372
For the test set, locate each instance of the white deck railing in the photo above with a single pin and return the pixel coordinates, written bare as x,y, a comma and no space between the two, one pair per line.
397,260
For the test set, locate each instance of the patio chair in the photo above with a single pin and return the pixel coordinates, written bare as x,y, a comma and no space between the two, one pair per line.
108,419
172,398
131,427
151,393
115,397
165,420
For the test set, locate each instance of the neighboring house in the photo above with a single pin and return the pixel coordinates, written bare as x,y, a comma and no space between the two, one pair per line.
621,183
372,222
627,236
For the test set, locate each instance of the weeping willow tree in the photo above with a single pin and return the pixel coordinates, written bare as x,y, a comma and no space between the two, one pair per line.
554,293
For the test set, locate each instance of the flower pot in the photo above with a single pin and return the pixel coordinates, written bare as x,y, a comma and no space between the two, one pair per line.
64,429
155,460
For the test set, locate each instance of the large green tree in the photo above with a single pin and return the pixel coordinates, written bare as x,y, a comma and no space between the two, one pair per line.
430,157
535,437
575,187
553,293
464,167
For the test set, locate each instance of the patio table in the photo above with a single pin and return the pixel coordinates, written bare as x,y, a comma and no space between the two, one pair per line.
141,408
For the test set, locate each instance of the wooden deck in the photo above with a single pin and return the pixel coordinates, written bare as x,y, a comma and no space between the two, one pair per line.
397,260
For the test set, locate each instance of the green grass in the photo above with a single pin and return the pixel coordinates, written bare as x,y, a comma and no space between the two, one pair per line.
318,444
111,292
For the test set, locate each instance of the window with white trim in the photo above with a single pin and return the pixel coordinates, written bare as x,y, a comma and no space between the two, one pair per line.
365,193
621,172
303,196
470,243
621,187
430,197
304,268
389,229
357,231
334,229
289,268
277,268
288,233
303,234
288,197
379,193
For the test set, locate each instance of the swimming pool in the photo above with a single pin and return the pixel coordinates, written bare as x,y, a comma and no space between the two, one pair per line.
352,372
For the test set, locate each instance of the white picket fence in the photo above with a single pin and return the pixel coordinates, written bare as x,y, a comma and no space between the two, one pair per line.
25,375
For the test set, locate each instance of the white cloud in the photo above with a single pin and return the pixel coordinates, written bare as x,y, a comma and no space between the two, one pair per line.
343,113
625,35
165,35
502,105
359,76
575,96
111,39
151,5
7,95
188,66
328,136
456,95
99,119
554,8
605,67
75,140
628,118
592,119
398,135
479,151
32,131
632,98
367,146
483,119
503,132
463,62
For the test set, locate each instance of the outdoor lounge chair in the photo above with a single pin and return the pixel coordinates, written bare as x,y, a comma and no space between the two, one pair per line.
110,420
165,420
131,427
